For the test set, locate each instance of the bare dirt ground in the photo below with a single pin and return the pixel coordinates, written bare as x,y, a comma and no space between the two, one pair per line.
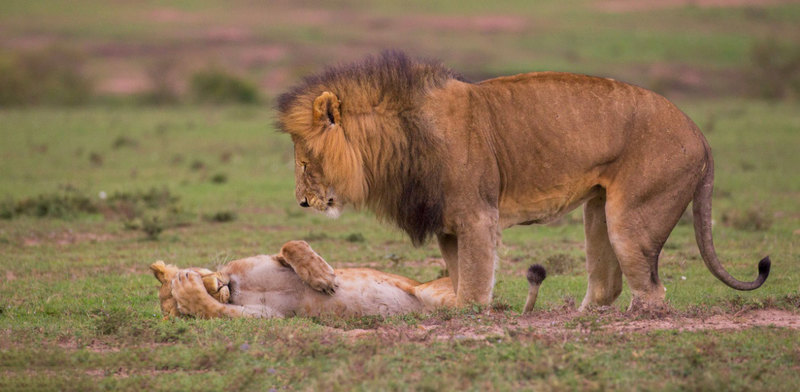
565,324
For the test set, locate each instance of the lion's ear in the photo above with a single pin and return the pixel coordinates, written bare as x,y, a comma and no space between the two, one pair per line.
159,270
326,109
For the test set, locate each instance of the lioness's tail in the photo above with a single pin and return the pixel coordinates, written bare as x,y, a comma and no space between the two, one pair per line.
701,206
536,275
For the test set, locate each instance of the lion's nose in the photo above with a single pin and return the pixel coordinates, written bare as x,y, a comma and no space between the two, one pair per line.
304,203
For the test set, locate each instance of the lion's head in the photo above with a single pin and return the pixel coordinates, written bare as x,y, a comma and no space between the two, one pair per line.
216,283
360,139
328,168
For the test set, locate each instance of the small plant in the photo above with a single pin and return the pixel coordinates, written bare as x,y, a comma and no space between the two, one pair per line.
221,216
109,322
152,227
501,305
7,209
355,237
197,165
123,141
444,313
54,205
96,159
219,178
216,86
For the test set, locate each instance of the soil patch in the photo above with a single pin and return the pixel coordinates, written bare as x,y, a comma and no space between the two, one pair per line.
565,324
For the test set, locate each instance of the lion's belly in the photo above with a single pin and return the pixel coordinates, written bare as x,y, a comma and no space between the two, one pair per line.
534,206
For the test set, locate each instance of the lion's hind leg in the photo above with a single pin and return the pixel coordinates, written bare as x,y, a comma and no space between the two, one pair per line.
638,229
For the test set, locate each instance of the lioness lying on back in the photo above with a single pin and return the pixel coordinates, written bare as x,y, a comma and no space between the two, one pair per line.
298,282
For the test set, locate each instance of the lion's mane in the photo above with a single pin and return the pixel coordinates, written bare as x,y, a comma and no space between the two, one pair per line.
385,158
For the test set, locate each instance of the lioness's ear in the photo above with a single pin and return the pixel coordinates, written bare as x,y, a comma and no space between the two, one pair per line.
326,109
159,270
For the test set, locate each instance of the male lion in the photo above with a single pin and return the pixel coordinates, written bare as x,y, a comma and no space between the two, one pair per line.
437,155
297,281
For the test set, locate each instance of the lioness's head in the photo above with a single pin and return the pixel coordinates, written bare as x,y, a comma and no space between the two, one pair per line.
216,283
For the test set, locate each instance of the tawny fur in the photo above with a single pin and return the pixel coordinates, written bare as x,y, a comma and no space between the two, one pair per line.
297,282
439,156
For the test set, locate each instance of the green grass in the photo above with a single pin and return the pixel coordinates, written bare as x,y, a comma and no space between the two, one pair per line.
78,305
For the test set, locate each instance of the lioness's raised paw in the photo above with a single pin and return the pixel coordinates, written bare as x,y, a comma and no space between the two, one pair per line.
309,266
191,295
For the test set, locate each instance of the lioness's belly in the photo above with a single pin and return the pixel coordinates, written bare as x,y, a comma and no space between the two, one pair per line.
361,292
263,282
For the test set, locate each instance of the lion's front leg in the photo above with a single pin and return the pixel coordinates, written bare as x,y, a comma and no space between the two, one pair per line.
477,257
448,244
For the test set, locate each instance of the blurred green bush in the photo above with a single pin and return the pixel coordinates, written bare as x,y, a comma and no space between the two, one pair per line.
217,86
52,76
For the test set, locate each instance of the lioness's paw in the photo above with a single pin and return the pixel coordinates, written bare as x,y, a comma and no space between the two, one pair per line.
190,293
309,266
319,276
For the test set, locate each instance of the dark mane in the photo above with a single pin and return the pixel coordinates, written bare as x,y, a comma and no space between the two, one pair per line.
379,101
392,75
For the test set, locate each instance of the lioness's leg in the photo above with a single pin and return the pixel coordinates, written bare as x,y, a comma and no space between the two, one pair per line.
193,300
309,266
477,256
605,275
448,244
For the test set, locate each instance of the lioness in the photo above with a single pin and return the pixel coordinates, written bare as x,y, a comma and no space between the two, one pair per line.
299,282
440,156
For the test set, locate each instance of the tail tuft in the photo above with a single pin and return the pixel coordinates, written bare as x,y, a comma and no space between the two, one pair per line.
763,267
537,273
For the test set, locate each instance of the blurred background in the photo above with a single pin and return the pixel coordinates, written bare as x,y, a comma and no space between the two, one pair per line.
125,122
139,130
186,52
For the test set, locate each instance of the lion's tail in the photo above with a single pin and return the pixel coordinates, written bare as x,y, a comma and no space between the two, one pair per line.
536,275
701,206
